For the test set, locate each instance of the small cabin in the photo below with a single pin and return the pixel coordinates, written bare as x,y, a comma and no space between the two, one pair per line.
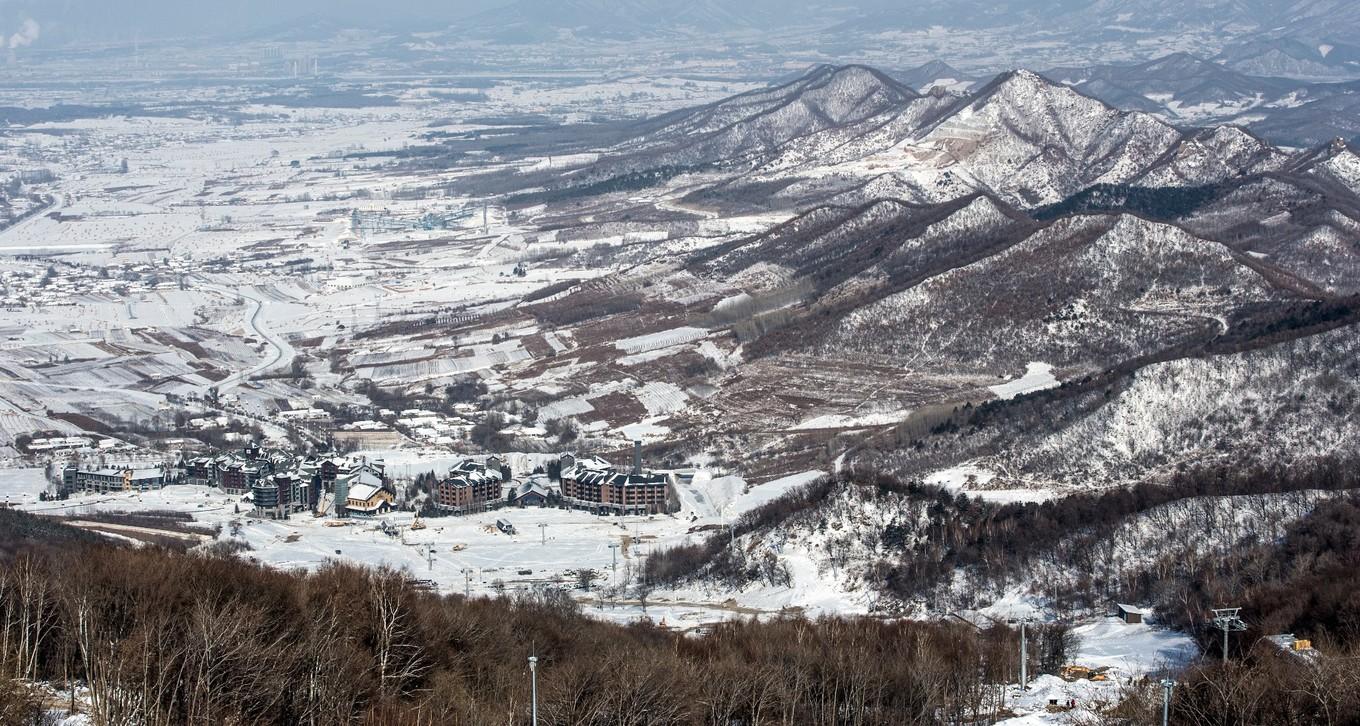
530,494
1128,613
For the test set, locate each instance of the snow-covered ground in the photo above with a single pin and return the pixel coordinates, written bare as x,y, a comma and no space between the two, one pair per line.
1128,651
470,553
22,486
1038,376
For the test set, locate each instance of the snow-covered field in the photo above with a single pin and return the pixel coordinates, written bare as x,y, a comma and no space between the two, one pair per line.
21,486
1130,652
469,553
1038,376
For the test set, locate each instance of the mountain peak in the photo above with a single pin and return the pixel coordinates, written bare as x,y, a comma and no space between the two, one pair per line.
936,67
855,78
1022,87
1179,62
1025,76
1020,81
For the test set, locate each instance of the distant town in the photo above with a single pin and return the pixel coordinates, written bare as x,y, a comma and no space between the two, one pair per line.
280,483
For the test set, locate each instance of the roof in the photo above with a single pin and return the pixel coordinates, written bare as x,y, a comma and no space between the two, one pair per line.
469,472
595,470
531,487
362,478
1129,609
363,492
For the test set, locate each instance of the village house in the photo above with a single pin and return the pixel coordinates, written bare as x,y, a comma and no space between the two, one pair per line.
530,494
368,497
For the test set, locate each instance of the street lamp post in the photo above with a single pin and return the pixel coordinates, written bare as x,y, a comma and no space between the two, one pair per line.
1167,685
533,686
614,567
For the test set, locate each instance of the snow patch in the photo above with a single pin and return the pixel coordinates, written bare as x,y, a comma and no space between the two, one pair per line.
1038,377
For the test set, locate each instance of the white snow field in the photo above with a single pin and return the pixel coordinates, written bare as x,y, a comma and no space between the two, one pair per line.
21,486
469,553
1129,651
1038,377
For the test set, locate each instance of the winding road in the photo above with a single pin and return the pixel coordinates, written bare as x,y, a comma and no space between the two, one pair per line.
280,353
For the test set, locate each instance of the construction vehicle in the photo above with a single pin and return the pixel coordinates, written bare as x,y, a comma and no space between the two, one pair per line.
1074,672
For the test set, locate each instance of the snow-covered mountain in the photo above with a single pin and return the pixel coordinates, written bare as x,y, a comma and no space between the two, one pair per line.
1337,162
849,135
828,97
1086,292
938,249
1320,53
1270,35
1180,85
1211,156
1182,88
1032,141
937,74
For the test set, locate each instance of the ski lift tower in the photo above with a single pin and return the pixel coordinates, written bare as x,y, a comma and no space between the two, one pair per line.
1228,620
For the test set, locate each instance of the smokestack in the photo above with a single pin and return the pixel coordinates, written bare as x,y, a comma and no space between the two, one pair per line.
637,458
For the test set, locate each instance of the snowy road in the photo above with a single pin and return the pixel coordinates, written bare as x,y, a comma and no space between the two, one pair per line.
30,220
280,353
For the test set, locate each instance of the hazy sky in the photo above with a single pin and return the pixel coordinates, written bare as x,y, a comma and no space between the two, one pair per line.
61,20
47,23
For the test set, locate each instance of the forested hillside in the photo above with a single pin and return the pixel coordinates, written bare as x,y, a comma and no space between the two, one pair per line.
160,637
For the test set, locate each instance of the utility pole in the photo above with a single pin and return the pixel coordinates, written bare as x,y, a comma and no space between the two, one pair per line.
533,685
429,555
614,576
467,582
543,532
1167,685
1024,658
1229,621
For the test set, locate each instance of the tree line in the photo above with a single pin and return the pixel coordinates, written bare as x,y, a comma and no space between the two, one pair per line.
165,637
